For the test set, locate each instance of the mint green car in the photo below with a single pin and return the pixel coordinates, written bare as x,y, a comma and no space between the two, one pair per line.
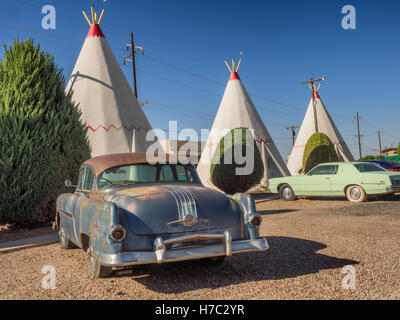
353,180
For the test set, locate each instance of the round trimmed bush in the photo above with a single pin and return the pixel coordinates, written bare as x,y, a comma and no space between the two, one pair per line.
319,149
224,176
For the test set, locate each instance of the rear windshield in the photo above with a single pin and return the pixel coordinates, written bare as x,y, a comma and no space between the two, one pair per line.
146,173
368,167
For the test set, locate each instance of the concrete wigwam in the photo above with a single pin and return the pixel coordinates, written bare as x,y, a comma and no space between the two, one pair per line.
238,111
317,119
109,107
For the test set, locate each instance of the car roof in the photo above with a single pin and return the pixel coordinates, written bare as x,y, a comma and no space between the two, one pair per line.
102,163
339,163
333,163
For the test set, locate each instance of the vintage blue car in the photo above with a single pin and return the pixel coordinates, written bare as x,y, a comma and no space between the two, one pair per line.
126,211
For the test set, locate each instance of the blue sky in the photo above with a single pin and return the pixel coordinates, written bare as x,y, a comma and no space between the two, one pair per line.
183,75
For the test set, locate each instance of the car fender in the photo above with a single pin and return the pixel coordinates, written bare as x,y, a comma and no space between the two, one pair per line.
97,218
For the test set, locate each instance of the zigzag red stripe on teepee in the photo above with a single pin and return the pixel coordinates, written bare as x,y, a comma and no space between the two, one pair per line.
263,140
338,143
256,140
116,128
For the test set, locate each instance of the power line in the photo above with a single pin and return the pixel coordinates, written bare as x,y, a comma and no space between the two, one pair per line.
57,36
183,70
178,83
167,109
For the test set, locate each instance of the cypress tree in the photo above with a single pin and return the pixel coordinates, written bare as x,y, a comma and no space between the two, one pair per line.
42,142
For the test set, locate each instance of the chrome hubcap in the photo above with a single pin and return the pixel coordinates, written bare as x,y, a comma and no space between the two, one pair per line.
355,193
287,193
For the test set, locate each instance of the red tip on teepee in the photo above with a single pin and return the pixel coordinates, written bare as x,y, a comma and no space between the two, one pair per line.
95,31
317,95
234,76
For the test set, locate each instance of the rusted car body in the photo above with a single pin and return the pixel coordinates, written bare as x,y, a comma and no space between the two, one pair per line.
127,212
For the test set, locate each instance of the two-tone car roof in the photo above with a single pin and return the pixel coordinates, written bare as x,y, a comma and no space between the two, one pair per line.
102,163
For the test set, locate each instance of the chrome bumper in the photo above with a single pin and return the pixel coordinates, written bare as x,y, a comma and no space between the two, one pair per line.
162,255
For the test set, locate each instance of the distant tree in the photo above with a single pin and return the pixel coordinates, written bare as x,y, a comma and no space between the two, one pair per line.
398,149
370,158
224,176
319,149
42,141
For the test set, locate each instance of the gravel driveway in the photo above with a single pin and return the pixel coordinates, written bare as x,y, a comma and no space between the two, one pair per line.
311,241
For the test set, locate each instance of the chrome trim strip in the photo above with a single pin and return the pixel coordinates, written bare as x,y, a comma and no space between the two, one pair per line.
186,204
68,214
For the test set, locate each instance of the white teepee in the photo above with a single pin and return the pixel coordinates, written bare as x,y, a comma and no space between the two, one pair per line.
109,107
237,111
307,129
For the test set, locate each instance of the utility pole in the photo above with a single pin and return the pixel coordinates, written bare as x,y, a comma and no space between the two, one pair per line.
358,134
131,58
293,128
380,143
311,83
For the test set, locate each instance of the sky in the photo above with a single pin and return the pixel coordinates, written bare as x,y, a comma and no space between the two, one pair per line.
183,75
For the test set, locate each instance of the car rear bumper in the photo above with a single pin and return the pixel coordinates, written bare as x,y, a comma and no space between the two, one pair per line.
163,255
393,189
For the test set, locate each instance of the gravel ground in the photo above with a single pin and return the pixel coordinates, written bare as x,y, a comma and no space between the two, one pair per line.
311,241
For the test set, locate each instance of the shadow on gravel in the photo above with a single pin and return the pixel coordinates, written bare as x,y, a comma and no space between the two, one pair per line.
287,258
339,199
270,212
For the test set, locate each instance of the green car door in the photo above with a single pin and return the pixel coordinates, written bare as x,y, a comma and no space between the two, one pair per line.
318,181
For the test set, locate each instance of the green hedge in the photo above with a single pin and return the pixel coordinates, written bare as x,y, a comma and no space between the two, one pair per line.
370,158
319,149
42,142
224,176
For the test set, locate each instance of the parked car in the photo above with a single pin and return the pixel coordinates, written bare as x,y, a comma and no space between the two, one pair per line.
386,164
354,180
126,211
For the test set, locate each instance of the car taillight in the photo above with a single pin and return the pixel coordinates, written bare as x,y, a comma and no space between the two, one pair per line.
118,233
255,220
394,170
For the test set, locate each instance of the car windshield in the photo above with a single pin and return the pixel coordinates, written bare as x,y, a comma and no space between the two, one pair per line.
368,167
146,173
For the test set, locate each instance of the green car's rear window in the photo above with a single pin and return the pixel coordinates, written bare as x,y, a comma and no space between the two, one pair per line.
368,167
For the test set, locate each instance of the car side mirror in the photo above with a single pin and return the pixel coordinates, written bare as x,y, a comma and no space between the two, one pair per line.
68,184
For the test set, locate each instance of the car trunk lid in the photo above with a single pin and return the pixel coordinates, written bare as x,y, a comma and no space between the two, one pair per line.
174,208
